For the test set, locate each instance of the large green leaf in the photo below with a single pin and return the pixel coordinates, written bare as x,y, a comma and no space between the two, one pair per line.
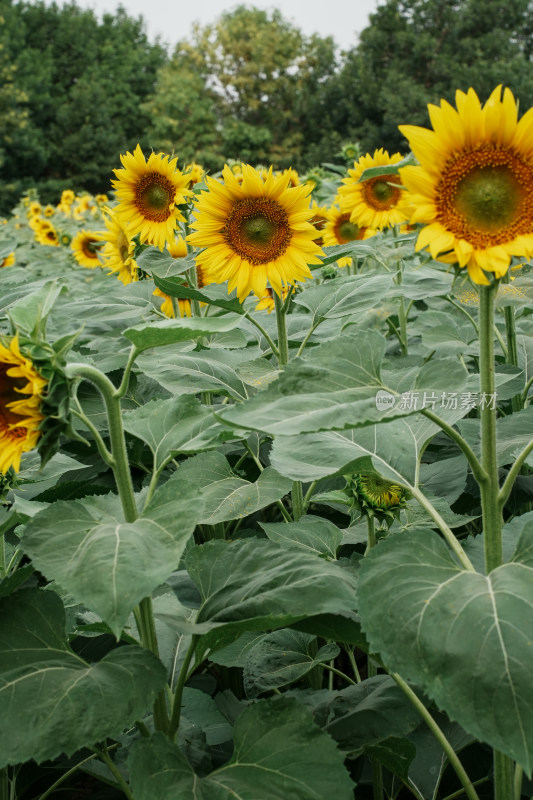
312,534
395,448
339,385
106,563
170,331
462,636
225,495
51,700
279,754
283,657
189,373
345,296
176,425
255,584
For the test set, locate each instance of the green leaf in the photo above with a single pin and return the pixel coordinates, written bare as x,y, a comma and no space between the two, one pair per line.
283,657
106,563
176,425
183,329
189,373
161,264
36,306
387,169
312,534
395,449
225,495
345,296
279,753
253,584
462,636
51,700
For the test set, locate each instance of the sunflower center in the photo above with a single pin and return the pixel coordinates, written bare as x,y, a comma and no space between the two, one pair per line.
489,196
347,231
90,248
8,394
257,229
485,196
154,196
380,194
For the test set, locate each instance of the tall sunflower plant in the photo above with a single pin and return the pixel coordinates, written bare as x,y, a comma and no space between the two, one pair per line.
280,543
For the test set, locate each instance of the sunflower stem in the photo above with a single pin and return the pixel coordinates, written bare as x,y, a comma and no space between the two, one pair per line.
402,316
512,349
439,735
490,492
122,474
297,497
263,333
281,322
178,694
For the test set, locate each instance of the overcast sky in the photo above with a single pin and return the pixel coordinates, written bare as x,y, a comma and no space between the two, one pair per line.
172,19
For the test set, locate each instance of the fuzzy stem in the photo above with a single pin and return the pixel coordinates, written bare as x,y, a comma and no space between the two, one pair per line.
439,735
281,322
297,500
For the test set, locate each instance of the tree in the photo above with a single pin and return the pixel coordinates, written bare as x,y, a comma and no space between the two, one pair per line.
84,82
248,87
415,52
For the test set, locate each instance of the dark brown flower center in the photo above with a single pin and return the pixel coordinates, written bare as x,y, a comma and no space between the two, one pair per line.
257,228
8,394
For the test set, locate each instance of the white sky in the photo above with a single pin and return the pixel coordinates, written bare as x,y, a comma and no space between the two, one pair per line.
172,19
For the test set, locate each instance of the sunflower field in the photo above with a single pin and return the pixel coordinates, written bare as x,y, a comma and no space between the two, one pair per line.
266,476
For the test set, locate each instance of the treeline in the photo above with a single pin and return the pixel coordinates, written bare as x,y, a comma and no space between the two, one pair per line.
76,91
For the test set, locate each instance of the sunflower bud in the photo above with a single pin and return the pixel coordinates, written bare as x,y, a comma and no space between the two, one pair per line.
375,496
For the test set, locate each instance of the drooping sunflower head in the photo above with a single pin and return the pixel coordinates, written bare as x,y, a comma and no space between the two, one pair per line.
117,253
150,193
375,496
340,229
86,246
21,395
255,232
377,202
473,190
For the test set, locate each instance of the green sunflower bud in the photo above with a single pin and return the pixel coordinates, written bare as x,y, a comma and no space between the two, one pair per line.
375,496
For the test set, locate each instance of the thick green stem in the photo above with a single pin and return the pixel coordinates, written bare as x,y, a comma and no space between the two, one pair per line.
456,765
490,492
518,776
402,316
297,500
121,471
178,694
492,515
281,322
504,783
114,770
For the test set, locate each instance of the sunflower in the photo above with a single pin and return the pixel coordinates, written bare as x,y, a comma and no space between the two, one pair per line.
473,189
377,202
101,199
117,253
319,220
85,248
67,197
194,172
149,193
8,261
255,232
34,209
177,248
49,210
21,394
46,234
340,229
375,496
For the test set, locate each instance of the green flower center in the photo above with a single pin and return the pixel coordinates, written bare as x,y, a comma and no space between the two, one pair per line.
258,230
348,231
489,197
154,194
383,190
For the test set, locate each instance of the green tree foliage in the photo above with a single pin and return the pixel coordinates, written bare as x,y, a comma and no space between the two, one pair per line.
416,52
80,83
249,86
